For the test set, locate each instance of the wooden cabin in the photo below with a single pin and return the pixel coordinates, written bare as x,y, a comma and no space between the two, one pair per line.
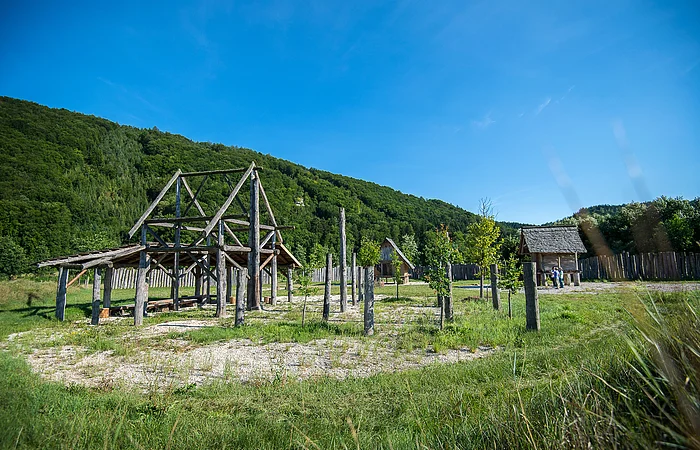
553,246
385,268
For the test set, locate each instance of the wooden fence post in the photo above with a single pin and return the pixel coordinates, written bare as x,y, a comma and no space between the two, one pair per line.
510,306
141,300
369,301
449,309
61,293
290,286
532,306
95,319
108,282
343,264
240,297
495,295
327,291
353,279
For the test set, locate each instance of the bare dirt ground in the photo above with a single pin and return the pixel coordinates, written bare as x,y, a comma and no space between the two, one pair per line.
162,361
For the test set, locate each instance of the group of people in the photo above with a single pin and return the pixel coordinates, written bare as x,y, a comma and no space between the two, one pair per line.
557,277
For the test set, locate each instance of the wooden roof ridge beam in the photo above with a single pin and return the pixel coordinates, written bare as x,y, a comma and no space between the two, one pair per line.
188,219
219,171
153,205
228,201
92,255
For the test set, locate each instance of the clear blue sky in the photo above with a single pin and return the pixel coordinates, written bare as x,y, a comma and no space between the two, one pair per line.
541,106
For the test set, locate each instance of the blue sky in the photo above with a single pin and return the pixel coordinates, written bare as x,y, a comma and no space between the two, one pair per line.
541,106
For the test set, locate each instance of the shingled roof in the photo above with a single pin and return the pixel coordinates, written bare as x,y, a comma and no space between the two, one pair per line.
552,239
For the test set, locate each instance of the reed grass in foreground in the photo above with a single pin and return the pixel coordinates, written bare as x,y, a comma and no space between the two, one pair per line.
629,386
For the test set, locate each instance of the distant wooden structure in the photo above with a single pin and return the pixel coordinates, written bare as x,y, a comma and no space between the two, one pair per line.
209,245
553,246
385,268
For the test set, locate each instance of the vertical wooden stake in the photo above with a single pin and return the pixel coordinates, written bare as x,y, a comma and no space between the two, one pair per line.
495,295
108,282
230,281
343,264
290,286
254,244
240,297
273,278
510,306
353,279
369,301
532,305
220,273
327,291
95,319
61,293
141,289
360,284
197,281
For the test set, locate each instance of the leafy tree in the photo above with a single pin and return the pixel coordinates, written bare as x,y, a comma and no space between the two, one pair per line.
439,253
482,246
369,254
303,278
409,247
510,274
13,260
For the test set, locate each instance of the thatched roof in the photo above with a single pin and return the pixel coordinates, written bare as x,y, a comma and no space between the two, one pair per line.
399,252
552,239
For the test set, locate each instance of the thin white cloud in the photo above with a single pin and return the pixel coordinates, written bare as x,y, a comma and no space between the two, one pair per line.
486,122
543,105
566,93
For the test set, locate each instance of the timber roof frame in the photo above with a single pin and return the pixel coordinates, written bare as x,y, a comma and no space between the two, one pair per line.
560,239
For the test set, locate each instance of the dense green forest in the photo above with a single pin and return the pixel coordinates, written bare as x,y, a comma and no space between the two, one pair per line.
71,182
663,224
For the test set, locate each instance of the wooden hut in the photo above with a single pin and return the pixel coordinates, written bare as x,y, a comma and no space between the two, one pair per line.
553,246
385,268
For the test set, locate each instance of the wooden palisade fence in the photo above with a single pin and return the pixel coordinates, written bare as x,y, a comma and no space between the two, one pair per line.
642,266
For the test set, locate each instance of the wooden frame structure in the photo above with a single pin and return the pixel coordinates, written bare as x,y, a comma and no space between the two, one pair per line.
206,244
555,245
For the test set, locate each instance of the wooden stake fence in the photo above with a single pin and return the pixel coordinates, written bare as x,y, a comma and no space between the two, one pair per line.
671,266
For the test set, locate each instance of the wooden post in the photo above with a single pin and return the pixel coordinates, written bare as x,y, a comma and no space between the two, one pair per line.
176,256
95,319
197,281
254,244
240,300
220,273
495,295
141,300
290,286
343,264
273,275
141,288
369,301
108,281
532,305
327,291
577,275
360,284
230,281
61,293
510,306
481,284
353,279
449,308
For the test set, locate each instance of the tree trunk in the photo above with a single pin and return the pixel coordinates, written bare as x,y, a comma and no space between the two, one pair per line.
495,295
481,284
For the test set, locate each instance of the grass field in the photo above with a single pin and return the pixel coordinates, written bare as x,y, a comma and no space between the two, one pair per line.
590,378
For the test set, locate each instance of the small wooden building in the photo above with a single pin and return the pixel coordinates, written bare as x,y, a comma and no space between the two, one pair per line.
553,246
385,268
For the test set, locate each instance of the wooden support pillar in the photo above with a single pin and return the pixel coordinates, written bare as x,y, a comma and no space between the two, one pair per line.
95,319
176,256
254,244
353,279
108,282
240,297
369,301
577,275
532,306
360,284
327,290
290,286
61,293
141,300
343,264
230,281
273,276
495,295
220,273
449,309
197,281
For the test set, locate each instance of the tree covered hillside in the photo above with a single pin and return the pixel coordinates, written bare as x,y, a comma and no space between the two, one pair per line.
71,182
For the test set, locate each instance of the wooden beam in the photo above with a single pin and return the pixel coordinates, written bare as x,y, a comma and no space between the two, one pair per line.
267,260
95,317
150,209
194,201
76,278
219,214
218,172
343,263
269,211
61,294
254,242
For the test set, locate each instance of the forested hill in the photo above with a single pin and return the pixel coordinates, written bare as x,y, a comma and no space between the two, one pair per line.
71,182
